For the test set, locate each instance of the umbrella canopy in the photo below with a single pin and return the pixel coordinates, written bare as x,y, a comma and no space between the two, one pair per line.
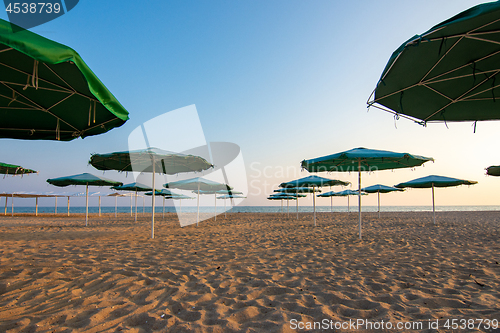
345,193
312,181
447,73
197,185
149,159
380,189
493,170
231,196
340,194
48,92
152,160
362,159
297,190
132,187
86,179
10,169
435,181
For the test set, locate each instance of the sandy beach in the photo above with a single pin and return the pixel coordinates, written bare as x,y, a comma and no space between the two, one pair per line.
251,272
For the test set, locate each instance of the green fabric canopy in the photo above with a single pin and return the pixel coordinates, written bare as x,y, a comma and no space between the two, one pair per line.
86,179
493,170
435,181
448,73
362,159
142,161
47,92
10,169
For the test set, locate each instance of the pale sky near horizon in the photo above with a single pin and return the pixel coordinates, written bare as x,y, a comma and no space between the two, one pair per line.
284,80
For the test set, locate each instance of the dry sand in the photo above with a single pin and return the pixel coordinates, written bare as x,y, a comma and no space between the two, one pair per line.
248,273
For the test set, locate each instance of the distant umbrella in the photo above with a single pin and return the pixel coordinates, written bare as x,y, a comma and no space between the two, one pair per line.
86,179
380,189
230,196
435,181
198,185
313,181
282,197
493,170
11,169
345,193
362,159
297,190
135,187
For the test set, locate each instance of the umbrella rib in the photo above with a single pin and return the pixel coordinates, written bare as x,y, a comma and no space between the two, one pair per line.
7,49
463,66
40,79
41,108
459,98
440,59
70,87
62,90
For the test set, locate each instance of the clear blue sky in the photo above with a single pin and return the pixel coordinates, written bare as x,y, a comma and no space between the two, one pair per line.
285,80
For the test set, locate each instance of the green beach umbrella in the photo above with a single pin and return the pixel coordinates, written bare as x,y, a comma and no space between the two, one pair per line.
233,195
362,159
11,169
380,189
166,194
152,160
312,181
134,187
284,196
448,73
435,181
86,179
197,185
345,193
493,170
48,92
297,190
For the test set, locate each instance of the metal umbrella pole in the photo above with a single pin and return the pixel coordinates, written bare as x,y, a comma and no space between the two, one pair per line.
87,205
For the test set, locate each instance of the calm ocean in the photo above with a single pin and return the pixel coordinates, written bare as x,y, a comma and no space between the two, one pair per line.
251,209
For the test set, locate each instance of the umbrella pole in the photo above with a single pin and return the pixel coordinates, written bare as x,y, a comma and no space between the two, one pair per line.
116,204
12,210
163,214
180,205
5,205
198,204
348,207
131,213
215,198
281,206
135,205
359,196
99,205
55,207
314,206
225,215
87,205
433,207
36,206
287,209
153,204
378,204
331,204
297,202
68,205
